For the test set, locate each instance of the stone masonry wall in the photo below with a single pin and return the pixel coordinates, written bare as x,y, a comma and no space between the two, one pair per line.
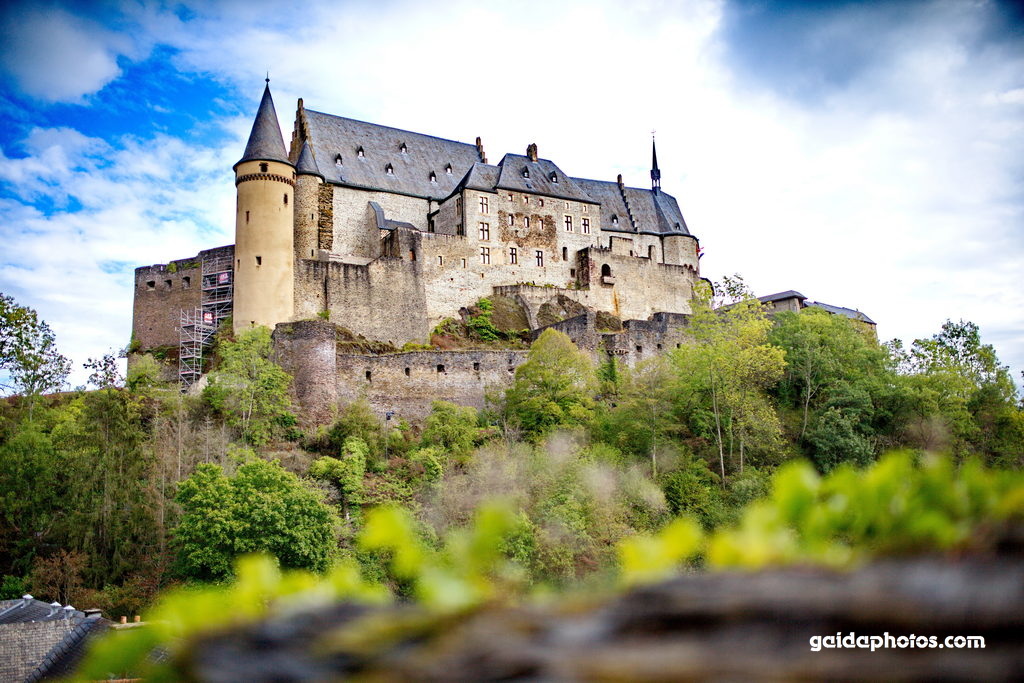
161,292
355,226
405,383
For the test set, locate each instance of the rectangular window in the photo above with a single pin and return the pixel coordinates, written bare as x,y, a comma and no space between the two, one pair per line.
463,263
568,223
526,222
513,255
586,226
483,205
511,220
541,202
440,260
458,204
485,231
510,197
485,255
526,199
259,260
460,230
540,257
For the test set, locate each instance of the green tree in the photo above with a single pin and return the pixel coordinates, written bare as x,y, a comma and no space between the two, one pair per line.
451,428
28,352
261,508
553,388
346,472
113,500
249,389
722,378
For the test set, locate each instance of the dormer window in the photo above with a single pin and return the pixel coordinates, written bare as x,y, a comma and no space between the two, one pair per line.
526,172
360,153
554,178
337,160
448,169
389,169
403,149
615,220
433,177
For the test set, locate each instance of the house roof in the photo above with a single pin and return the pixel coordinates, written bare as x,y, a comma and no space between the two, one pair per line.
782,296
265,141
839,310
332,137
27,609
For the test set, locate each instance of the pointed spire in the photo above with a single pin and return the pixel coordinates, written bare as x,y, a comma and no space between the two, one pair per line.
307,163
655,171
265,141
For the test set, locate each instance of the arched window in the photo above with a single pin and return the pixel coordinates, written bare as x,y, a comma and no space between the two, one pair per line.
606,270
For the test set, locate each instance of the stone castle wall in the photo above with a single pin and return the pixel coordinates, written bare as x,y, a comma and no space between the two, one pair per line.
161,292
406,383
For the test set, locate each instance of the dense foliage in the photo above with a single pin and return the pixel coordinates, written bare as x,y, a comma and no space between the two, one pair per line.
109,496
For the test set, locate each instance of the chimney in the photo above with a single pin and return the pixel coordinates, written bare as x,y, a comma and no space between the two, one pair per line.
124,619
480,150
531,151
137,619
619,180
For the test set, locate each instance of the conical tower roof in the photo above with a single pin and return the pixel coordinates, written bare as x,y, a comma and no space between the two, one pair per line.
306,163
265,141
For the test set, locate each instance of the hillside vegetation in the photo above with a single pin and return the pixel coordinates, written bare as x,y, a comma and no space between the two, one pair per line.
762,442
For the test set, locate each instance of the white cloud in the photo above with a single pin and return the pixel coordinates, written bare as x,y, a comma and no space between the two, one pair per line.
895,191
56,56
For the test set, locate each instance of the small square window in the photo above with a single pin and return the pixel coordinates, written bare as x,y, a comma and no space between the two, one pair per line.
639,349
408,372
167,284
151,284
259,260
440,369
476,367
186,282
368,375
510,197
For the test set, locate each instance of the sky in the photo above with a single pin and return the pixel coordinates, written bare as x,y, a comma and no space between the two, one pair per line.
867,154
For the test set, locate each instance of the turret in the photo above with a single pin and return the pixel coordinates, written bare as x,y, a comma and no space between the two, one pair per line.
308,180
264,253
655,171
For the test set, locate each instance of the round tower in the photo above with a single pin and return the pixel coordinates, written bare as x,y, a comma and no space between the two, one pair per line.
307,204
264,255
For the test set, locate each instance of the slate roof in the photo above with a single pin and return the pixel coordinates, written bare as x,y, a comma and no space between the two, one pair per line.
265,141
612,205
332,136
370,156
839,310
782,296
306,163
545,178
28,609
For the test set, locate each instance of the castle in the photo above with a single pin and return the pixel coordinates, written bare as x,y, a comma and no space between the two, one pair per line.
387,233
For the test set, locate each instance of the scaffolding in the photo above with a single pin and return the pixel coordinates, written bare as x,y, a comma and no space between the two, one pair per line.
197,326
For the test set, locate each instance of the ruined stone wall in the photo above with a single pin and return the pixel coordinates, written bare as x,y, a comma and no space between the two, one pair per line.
638,340
355,226
161,292
326,378
407,383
